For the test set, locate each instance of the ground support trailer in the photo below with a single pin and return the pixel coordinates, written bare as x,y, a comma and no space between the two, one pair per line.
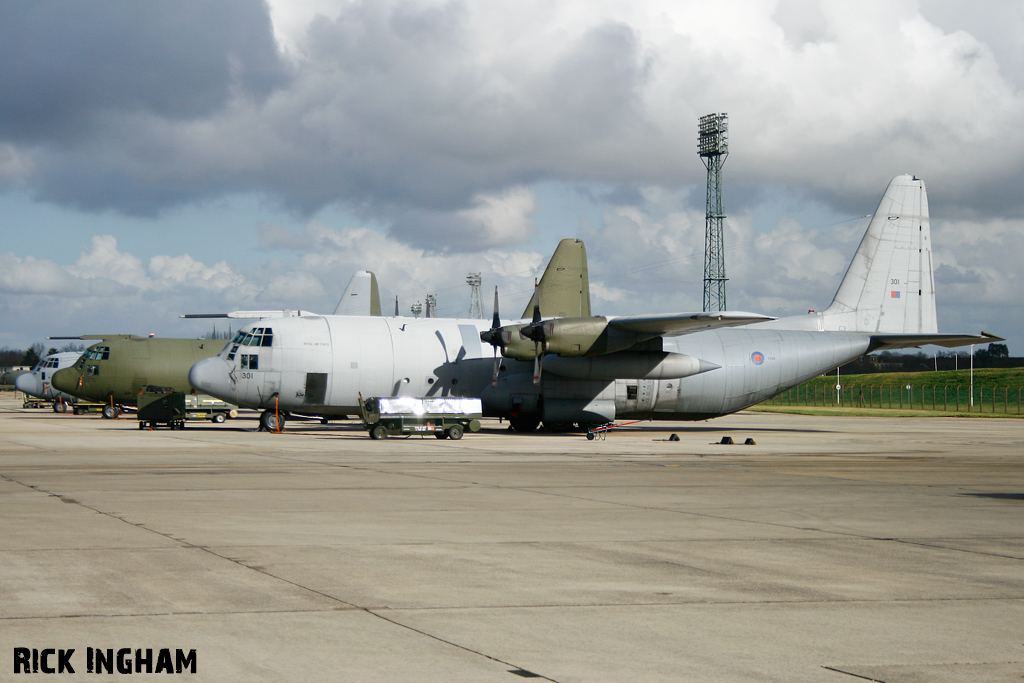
445,418
162,406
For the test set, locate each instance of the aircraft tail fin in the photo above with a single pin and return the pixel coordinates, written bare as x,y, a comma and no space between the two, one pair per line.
889,286
564,288
361,296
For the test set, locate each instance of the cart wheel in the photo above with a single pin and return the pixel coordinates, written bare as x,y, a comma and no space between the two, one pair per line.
455,432
590,436
440,435
379,432
218,418
78,411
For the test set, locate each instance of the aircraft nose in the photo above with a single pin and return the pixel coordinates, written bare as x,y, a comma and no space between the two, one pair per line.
212,376
28,384
65,380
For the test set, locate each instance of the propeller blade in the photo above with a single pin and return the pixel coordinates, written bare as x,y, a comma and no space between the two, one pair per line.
536,362
496,322
493,335
497,367
536,302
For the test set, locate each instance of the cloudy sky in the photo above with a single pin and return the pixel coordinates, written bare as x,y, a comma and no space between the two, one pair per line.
168,158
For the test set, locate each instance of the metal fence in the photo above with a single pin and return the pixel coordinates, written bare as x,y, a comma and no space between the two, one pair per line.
935,397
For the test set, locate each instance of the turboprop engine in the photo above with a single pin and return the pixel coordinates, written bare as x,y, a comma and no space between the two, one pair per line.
568,337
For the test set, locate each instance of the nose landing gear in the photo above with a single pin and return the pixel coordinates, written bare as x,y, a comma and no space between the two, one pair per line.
272,420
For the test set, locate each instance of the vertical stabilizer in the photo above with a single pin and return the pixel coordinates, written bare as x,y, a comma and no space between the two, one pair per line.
564,288
889,286
361,297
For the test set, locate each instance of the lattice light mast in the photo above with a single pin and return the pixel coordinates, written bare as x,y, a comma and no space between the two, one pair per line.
713,148
476,305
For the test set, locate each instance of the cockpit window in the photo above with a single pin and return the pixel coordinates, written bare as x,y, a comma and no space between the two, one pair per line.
234,350
268,337
99,353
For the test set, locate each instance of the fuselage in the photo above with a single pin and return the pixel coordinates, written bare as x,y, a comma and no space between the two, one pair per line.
116,369
38,381
322,364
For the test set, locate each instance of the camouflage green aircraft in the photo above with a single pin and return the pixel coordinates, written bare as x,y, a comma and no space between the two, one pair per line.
114,370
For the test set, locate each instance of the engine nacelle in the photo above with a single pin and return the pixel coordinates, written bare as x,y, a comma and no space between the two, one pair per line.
515,345
575,336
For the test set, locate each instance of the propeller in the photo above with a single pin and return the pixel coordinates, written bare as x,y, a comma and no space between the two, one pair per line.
493,337
535,331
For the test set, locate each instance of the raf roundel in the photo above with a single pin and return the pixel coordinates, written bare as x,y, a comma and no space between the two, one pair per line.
757,358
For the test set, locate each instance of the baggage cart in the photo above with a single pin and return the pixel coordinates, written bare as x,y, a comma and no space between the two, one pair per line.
445,418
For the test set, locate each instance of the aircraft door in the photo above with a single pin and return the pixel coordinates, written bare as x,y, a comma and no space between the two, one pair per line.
647,391
635,396
316,389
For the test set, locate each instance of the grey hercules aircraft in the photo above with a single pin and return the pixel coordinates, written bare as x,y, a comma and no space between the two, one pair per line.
38,382
682,366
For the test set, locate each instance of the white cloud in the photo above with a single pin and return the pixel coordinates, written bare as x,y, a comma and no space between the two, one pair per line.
103,260
505,218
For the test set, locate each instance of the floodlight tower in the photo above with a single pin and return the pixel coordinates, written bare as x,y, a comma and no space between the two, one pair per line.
431,305
476,305
713,148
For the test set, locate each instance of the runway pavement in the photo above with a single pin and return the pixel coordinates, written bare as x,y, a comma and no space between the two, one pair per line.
835,549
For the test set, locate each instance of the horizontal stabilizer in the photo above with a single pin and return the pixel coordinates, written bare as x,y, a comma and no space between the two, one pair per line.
84,337
251,315
673,324
885,342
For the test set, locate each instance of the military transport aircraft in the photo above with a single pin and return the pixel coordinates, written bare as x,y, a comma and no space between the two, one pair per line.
38,381
115,370
683,366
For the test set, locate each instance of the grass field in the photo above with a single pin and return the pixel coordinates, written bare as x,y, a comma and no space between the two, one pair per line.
997,392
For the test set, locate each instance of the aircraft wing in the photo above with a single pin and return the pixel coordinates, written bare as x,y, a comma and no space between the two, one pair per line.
250,315
906,341
673,324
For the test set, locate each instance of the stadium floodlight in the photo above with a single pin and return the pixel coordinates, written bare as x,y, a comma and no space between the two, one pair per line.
713,148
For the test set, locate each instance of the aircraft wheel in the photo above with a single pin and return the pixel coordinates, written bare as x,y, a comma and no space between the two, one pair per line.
111,412
455,432
218,418
269,420
523,424
440,435
558,427
379,432
56,407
